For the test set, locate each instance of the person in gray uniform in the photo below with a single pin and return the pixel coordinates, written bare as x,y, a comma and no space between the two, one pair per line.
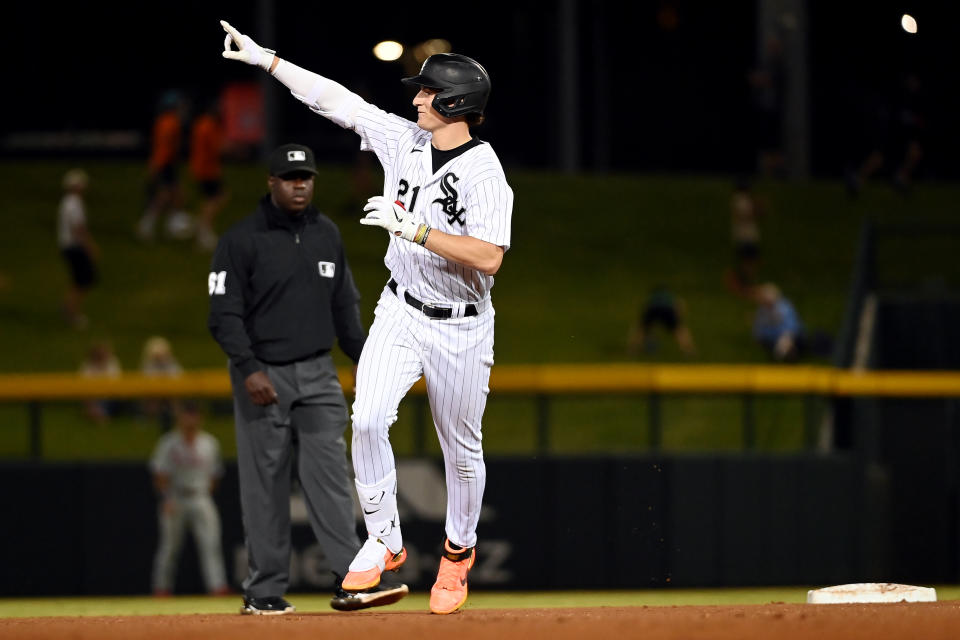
186,467
281,292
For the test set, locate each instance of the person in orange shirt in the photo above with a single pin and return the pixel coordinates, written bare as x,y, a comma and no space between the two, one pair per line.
206,149
163,185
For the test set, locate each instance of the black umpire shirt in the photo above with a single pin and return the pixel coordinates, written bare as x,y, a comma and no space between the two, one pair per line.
281,290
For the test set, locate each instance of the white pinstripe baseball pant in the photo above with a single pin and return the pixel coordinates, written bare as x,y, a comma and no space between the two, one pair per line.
454,356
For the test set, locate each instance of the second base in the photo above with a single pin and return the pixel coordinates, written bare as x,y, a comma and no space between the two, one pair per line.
867,592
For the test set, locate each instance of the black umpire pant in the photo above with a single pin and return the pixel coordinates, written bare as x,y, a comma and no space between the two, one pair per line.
307,422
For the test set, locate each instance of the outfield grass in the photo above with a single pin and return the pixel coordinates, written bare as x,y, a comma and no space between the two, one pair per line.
586,250
306,603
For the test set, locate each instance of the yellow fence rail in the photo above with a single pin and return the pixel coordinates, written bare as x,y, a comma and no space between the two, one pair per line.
552,379
542,382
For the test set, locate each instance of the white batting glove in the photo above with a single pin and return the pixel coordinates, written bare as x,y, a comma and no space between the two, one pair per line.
248,50
381,212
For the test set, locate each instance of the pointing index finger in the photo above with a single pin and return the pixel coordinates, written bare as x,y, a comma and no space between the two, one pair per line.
233,32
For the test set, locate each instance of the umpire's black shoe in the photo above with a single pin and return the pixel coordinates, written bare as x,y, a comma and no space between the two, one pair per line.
378,596
269,606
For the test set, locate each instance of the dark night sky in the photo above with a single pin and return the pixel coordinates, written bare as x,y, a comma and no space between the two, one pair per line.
651,99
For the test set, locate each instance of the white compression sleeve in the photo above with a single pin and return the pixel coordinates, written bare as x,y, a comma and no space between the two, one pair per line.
322,95
379,503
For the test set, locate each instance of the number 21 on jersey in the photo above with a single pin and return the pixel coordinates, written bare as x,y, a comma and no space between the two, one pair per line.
402,191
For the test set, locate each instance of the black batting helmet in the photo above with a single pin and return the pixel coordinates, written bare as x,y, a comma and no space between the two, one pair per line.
463,85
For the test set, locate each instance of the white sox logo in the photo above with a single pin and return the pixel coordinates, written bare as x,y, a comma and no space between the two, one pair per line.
449,203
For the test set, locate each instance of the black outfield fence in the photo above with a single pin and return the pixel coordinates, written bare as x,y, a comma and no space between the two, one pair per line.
611,522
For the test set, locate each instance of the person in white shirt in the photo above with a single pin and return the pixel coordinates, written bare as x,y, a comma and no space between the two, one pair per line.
100,362
76,245
157,360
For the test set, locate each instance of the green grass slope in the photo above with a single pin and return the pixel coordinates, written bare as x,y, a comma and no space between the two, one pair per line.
585,252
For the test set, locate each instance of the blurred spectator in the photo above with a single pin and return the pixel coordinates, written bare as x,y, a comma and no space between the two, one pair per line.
745,211
100,362
767,85
665,309
896,134
778,329
206,150
186,468
158,360
76,245
164,195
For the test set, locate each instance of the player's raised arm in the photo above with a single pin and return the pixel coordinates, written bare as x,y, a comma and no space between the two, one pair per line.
322,95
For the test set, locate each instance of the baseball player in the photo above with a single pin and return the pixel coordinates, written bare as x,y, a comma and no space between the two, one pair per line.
447,207
186,467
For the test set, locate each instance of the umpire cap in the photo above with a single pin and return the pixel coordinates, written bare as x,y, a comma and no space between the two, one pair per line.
463,85
290,158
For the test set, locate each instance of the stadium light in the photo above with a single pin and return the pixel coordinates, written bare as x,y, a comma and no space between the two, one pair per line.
388,50
426,49
909,23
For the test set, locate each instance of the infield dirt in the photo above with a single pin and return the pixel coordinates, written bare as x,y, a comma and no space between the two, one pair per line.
929,621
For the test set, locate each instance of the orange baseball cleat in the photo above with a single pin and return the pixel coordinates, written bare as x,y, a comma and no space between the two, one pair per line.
449,592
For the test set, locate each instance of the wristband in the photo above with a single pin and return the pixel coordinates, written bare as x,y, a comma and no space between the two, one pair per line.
423,232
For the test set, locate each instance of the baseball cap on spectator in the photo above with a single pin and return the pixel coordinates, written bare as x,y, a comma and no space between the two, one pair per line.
291,158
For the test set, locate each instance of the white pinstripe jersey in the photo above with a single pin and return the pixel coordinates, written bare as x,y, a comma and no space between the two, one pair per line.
191,466
467,196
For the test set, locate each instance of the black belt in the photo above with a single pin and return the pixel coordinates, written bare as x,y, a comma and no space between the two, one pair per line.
440,313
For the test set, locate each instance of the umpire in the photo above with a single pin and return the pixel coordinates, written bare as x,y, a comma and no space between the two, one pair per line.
280,292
